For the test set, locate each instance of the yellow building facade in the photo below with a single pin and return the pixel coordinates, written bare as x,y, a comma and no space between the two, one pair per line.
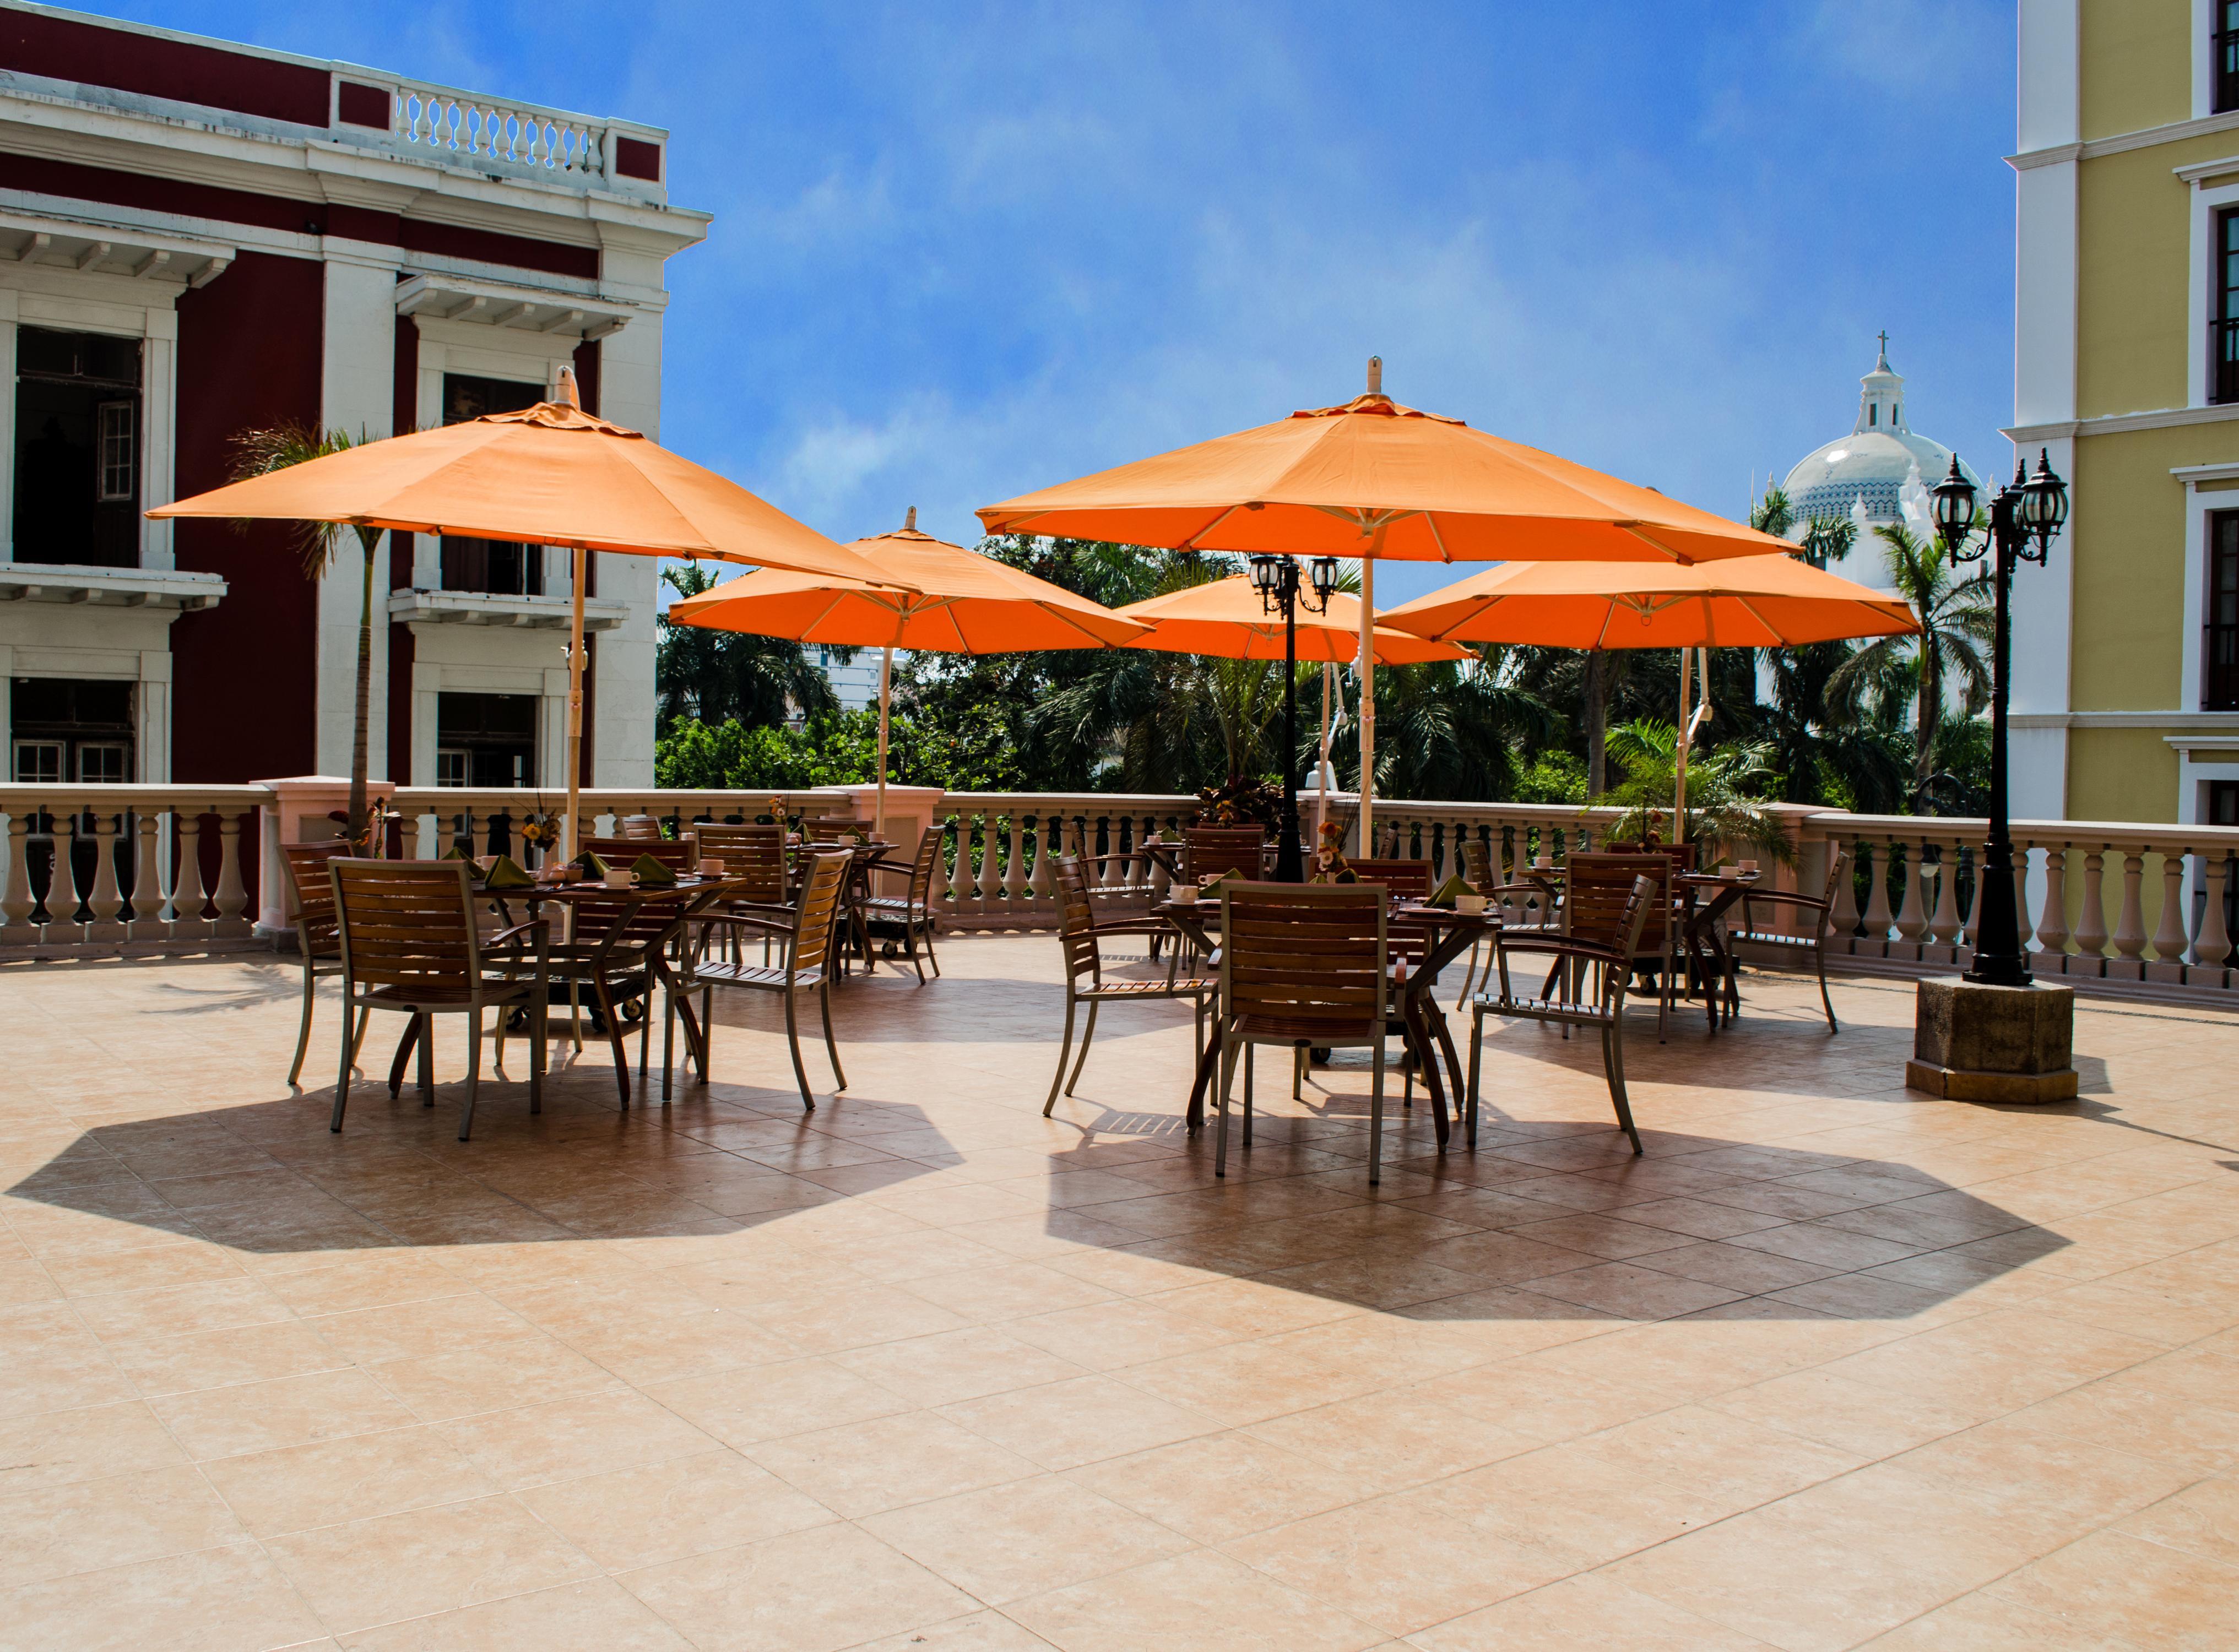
2126,349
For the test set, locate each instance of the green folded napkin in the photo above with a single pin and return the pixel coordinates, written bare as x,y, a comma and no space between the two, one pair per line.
457,853
506,873
591,866
1448,891
653,874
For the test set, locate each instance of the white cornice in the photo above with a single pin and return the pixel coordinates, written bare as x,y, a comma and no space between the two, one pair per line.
2191,474
2200,171
2117,423
2225,723
2122,143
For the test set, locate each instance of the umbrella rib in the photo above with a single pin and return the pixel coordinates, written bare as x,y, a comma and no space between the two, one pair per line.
1635,529
1057,612
1190,540
1436,538
1750,608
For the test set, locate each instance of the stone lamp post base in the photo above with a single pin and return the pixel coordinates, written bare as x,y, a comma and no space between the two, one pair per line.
1977,1043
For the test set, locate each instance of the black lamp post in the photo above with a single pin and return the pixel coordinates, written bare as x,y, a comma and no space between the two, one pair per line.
1276,579
2024,516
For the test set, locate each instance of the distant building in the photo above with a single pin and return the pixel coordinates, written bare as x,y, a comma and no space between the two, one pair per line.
198,238
1877,474
2126,372
856,681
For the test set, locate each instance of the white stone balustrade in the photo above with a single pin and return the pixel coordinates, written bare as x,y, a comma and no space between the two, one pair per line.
101,866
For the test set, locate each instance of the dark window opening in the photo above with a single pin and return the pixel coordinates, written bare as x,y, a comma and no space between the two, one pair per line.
2224,325
77,442
2221,690
486,740
73,729
498,567
2224,48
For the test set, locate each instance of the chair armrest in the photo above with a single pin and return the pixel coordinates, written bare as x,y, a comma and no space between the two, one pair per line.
1783,898
741,920
1131,926
513,937
1561,946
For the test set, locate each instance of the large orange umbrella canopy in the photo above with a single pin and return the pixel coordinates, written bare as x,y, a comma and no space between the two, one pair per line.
1741,603
1372,478
1223,618
961,602
549,475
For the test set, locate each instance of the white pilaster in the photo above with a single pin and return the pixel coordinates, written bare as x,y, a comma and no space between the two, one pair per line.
629,393
152,743
6,446
159,409
357,373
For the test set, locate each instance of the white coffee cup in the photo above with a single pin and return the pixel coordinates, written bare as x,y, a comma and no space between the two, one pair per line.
711,868
618,877
1543,863
1747,866
1185,894
1470,906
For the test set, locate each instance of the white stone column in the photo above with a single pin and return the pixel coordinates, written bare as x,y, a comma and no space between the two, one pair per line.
426,682
8,301
357,397
151,742
159,406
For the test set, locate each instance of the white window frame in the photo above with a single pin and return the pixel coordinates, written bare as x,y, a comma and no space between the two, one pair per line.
116,426
123,748
2209,197
463,757
15,767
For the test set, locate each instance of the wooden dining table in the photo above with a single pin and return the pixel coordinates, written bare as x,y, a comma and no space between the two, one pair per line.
1447,934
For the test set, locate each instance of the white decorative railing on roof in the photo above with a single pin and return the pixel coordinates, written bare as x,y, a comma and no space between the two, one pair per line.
461,126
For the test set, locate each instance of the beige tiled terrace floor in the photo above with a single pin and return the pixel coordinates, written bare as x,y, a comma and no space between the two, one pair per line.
1832,1362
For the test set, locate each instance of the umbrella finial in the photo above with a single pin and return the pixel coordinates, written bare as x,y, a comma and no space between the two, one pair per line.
568,389
909,522
1375,375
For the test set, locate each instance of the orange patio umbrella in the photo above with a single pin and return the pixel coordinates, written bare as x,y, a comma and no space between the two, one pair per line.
549,475
944,598
1372,479
1743,602
1225,619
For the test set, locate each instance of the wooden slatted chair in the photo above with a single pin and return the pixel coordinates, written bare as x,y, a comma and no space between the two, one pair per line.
410,943
1595,883
640,828
1212,851
318,939
834,828
754,857
1302,966
1586,987
680,855
1082,937
1821,908
909,917
806,964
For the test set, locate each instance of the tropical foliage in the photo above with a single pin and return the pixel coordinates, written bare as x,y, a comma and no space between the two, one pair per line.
1885,728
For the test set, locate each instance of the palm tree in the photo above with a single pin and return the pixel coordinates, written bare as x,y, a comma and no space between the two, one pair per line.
1451,729
1956,623
716,676
1721,784
258,453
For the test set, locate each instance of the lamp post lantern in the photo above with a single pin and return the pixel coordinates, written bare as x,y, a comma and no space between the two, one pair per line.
1276,579
2026,514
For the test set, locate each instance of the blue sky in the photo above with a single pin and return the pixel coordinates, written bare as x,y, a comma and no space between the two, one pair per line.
960,251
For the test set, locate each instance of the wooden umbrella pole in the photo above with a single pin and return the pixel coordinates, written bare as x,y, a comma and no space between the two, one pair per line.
886,695
575,697
1367,669
1321,773
1686,736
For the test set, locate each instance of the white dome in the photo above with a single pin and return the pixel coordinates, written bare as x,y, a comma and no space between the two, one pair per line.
1873,462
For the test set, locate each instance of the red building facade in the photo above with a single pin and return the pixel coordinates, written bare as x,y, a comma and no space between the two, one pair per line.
199,239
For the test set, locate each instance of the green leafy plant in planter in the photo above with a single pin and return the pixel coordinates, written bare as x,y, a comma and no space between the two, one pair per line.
1239,801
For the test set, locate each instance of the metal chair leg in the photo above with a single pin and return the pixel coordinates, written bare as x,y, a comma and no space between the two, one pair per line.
1087,1036
1376,1116
1249,1051
1475,1065
831,1045
474,1070
1220,1132
539,1025
793,1042
303,1033
1613,1059
342,1081
1064,1049
1825,997
426,1060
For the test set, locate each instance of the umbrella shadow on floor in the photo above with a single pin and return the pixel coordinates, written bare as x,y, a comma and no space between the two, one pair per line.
269,1178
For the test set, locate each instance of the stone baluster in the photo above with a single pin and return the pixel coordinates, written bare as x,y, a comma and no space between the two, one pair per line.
147,888
2021,899
2052,924
991,859
2130,925
232,897
943,887
2212,945
16,903
2169,941
1943,926
188,895
1875,856
1015,872
1046,847
1912,918
2091,926
107,900
1843,919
